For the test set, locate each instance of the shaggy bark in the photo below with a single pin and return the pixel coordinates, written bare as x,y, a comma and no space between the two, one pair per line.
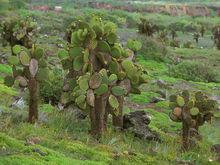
33,102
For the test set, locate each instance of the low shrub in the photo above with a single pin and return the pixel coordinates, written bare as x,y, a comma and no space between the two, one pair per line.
51,89
194,71
152,50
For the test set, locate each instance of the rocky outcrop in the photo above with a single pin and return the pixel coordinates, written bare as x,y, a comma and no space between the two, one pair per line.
175,10
137,122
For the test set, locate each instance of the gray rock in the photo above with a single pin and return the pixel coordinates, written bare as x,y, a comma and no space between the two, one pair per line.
216,148
137,122
18,103
157,99
75,112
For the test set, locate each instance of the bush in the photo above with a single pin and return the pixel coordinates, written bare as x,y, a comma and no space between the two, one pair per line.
51,89
153,50
194,71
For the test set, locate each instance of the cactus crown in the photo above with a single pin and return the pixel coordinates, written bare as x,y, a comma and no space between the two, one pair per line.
147,27
97,63
19,32
199,107
26,64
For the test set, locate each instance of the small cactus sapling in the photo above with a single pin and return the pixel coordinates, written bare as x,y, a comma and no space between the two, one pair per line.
216,36
27,61
193,112
99,73
196,37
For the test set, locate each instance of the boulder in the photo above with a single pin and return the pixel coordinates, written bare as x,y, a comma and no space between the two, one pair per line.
137,122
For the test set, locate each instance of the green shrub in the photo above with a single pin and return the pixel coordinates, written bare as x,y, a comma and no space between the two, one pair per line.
153,50
194,71
51,89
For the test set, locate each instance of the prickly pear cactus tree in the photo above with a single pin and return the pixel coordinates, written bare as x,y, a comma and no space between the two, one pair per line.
216,36
27,61
192,111
147,27
100,72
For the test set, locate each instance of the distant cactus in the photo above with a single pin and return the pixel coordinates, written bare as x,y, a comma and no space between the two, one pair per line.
216,36
27,62
196,37
147,27
202,30
99,72
192,111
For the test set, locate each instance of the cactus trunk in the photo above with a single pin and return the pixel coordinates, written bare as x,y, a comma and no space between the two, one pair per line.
33,102
118,119
185,136
97,117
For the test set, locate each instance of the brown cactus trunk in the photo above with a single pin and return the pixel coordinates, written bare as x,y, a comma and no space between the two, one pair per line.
97,117
185,136
33,102
118,119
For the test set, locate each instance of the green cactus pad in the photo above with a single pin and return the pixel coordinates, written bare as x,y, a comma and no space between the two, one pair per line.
90,98
103,88
63,54
9,81
78,63
76,51
113,78
194,111
75,40
112,38
121,75
191,103
127,65
116,52
95,81
113,101
13,60
80,99
98,30
83,82
118,91
16,49
180,101
114,67
24,58
38,53
92,44
103,46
